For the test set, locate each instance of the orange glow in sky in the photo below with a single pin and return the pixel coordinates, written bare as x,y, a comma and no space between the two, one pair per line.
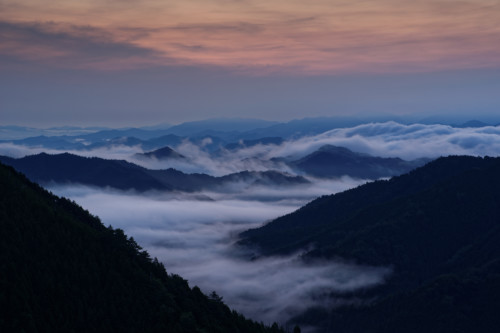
255,37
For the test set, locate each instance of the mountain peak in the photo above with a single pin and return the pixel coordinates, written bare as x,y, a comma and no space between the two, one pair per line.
162,153
334,161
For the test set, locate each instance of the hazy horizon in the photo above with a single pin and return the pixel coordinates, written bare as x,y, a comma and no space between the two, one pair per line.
446,119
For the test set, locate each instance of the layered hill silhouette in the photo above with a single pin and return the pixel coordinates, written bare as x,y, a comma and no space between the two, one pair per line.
63,271
437,227
333,161
161,154
72,169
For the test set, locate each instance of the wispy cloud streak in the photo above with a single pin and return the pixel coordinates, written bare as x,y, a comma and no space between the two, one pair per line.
267,37
71,46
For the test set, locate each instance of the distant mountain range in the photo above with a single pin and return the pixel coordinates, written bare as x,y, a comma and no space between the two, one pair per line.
72,169
302,127
252,143
21,132
326,162
437,226
97,140
218,125
332,161
64,271
223,132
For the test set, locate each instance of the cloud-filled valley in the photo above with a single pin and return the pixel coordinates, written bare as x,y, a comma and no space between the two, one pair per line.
195,239
325,166
194,233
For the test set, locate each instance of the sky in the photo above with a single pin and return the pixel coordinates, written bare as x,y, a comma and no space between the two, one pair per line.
118,63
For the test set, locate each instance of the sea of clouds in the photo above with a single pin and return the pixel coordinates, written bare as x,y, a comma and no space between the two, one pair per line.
196,238
389,139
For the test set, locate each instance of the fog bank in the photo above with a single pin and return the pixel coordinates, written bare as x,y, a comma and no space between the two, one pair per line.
195,239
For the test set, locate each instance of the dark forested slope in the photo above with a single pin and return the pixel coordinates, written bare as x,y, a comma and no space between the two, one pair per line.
63,271
332,217
438,227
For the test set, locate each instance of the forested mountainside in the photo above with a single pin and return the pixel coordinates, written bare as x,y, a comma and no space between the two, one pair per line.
437,227
63,271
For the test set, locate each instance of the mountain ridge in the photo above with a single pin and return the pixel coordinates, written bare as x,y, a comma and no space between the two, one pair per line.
161,154
335,161
67,168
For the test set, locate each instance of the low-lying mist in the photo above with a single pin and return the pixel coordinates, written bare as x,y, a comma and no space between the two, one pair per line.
194,234
196,239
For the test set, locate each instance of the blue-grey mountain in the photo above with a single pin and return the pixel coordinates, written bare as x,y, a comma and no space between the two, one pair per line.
332,161
72,169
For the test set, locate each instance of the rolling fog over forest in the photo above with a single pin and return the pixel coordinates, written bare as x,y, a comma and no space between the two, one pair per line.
324,166
195,239
194,233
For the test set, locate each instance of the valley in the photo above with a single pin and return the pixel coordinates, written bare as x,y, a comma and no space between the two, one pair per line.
210,211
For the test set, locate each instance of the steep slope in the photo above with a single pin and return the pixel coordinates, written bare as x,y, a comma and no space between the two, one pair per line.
63,271
438,227
333,161
333,211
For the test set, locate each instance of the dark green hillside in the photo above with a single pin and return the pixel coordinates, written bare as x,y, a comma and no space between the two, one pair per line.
63,271
438,227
